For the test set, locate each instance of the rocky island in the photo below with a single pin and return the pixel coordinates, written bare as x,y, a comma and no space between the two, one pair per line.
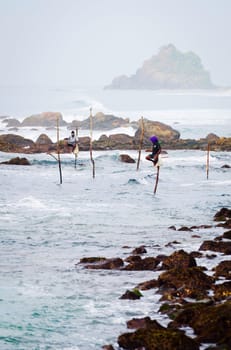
169,69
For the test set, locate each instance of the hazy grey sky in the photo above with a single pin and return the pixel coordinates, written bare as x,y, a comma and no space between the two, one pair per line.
89,42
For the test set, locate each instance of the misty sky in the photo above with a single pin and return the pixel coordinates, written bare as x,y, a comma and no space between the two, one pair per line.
89,42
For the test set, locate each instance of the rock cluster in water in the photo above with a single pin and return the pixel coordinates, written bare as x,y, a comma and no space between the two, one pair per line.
188,295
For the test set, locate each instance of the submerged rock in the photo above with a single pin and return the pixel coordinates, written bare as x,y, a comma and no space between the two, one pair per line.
125,158
17,161
104,264
132,294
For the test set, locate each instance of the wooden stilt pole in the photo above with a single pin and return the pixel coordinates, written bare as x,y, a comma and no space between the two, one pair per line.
91,157
157,178
207,162
141,142
76,154
58,153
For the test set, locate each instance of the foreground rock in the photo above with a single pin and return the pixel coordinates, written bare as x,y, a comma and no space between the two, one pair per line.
211,323
152,336
191,298
184,283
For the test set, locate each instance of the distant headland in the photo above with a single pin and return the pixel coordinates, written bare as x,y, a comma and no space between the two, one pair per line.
169,69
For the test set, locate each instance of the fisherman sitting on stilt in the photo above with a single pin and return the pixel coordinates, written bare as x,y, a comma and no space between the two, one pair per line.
156,149
72,142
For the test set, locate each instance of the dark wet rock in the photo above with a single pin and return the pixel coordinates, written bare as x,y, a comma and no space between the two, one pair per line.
184,282
117,141
170,244
161,257
218,239
43,139
92,260
184,314
133,259
132,294
44,143
155,338
223,269
17,161
223,214
226,224
222,291
179,259
139,250
139,264
15,143
226,166
196,255
84,143
227,234
104,264
170,309
146,322
172,228
185,228
211,256
148,285
108,347
200,227
212,324
222,247
125,158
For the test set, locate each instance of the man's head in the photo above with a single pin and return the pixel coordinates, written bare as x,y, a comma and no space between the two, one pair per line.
72,133
154,139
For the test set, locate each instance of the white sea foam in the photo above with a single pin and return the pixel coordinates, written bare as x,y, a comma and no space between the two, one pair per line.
30,202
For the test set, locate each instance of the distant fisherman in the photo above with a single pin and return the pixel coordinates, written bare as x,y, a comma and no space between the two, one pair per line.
72,141
156,149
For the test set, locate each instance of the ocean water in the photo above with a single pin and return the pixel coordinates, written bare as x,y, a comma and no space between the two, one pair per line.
49,301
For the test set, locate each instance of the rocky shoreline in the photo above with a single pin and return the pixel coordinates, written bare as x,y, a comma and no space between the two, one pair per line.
169,137
188,295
